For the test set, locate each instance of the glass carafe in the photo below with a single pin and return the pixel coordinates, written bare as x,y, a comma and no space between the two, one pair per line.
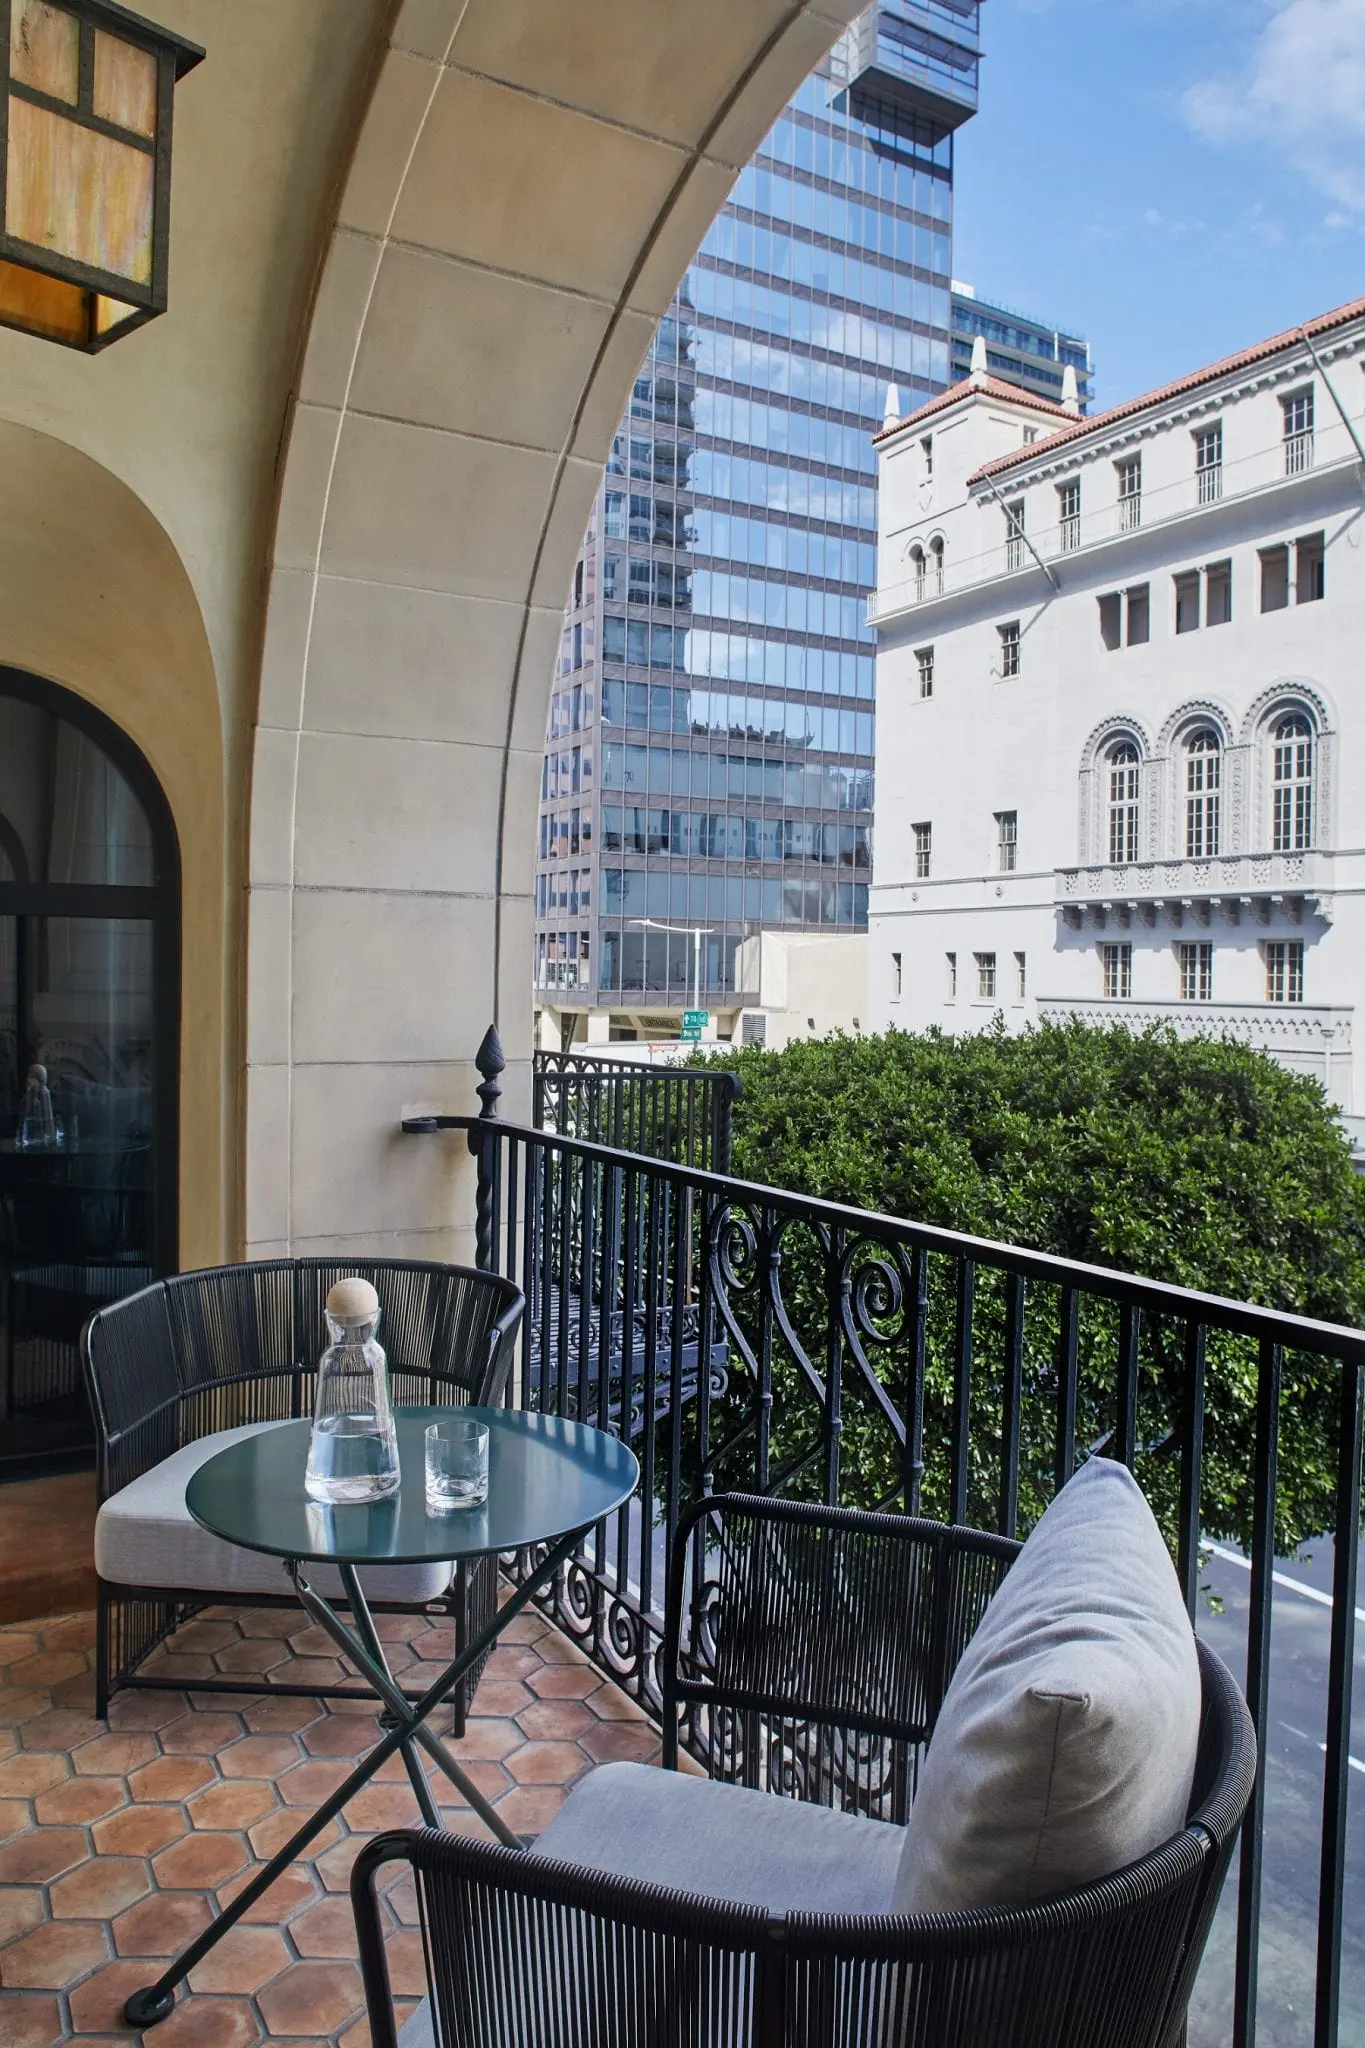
37,1125
353,1450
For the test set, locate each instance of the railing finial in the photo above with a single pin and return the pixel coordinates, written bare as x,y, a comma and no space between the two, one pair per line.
490,1063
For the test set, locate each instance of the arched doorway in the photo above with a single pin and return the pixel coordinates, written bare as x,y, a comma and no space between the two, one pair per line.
89,1039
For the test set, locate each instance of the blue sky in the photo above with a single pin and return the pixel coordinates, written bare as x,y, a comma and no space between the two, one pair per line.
1173,178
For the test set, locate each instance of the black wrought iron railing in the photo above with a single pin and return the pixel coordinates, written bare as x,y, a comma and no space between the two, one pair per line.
752,1338
684,1114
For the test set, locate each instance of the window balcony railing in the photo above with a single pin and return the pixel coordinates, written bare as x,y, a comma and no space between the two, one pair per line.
1230,887
751,1338
1100,524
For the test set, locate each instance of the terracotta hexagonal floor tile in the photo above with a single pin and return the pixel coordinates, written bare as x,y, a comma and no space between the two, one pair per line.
161,1924
311,1998
325,1929
563,1681
487,1738
20,1909
16,1643
201,1636
281,1716
438,1643
251,1657
311,1641
517,1660
242,1961
547,1763
356,2036
232,1803
14,1817
30,1771
341,1735
100,1888
554,1720
171,1778
530,1808
293,1888
267,1621
622,1742
384,1806
200,1734
58,1953
97,2005
138,1830
21,1705
315,1671
30,2021
407,1970
60,1728
209,2023
169,1669
334,1864
270,1835
610,1704
34,1858
200,1862
308,1784
113,1756
258,1756
502,1696
79,1800
149,1710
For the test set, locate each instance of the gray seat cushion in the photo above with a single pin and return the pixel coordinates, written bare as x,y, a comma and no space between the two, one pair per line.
416,2030
146,1536
1065,1746
724,1842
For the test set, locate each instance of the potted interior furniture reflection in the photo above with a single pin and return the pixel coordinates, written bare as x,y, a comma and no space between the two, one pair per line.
188,1366
868,1695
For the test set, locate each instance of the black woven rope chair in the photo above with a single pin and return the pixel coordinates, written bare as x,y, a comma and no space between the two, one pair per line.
175,1369
807,1654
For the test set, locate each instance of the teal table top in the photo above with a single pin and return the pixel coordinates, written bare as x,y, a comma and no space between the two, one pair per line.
546,1477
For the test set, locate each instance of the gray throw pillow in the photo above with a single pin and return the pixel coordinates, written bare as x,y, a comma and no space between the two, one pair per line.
1066,1744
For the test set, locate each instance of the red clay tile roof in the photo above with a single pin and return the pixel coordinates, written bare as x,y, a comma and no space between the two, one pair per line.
1341,316
994,387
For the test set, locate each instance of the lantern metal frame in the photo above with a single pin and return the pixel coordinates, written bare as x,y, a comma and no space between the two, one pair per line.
174,56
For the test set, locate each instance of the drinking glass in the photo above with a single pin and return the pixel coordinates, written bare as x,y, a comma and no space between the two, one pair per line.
457,1464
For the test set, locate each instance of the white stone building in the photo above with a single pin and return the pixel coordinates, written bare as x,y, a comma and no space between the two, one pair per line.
1120,716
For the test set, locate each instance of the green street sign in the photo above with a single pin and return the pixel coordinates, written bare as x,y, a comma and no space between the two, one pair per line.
695,1020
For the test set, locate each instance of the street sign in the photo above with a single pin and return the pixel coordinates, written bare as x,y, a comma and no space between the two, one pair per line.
693,1024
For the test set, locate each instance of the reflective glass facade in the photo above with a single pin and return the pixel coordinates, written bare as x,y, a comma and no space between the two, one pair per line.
1021,350
710,746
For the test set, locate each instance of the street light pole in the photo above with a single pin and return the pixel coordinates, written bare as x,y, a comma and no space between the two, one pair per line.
699,932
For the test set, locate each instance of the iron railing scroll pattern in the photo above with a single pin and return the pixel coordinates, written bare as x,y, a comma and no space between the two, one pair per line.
754,1339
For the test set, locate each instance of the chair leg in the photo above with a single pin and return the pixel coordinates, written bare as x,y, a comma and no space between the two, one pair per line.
459,1698
101,1652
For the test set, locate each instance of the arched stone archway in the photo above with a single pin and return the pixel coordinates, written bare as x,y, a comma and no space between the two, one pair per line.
528,185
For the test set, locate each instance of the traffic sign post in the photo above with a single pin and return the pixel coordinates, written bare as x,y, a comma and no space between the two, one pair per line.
693,1024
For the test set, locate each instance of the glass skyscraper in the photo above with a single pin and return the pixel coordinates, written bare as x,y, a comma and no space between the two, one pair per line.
708,768
1019,349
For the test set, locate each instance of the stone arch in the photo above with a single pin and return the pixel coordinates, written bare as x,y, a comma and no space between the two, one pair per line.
524,194
1290,693
1118,726
95,597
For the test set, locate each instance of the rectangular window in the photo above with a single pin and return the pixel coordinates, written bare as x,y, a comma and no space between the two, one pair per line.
1208,462
1284,971
1274,579
950,962
1020,977
1009,648
1218,594
1139,606
926,449
895,976
924,851
985,977
614,516
1117,961
1310,568
1129,473
1014,535
1006,841
1298,431
1069,514
1187,602
1111,620
1196,972
924,663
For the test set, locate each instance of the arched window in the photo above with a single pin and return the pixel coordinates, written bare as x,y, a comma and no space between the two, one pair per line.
1292,769
917,568
1125,802
1203,794
936,563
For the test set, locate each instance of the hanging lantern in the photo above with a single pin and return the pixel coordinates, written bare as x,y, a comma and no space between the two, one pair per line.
85,168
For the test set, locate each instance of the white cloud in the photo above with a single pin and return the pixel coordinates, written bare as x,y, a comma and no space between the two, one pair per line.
1301,90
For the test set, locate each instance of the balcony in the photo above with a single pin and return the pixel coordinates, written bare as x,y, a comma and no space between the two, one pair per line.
920,55
1308,1029
1231,889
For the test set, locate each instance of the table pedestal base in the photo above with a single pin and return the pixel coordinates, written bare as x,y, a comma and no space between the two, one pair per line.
404,1728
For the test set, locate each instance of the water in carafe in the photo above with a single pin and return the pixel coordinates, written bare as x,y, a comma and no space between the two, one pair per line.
353,1450
37,1124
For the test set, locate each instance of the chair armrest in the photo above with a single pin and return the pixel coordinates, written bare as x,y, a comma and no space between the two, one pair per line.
492,1382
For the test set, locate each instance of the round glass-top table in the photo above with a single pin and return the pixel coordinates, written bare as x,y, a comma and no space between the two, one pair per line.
549,1481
